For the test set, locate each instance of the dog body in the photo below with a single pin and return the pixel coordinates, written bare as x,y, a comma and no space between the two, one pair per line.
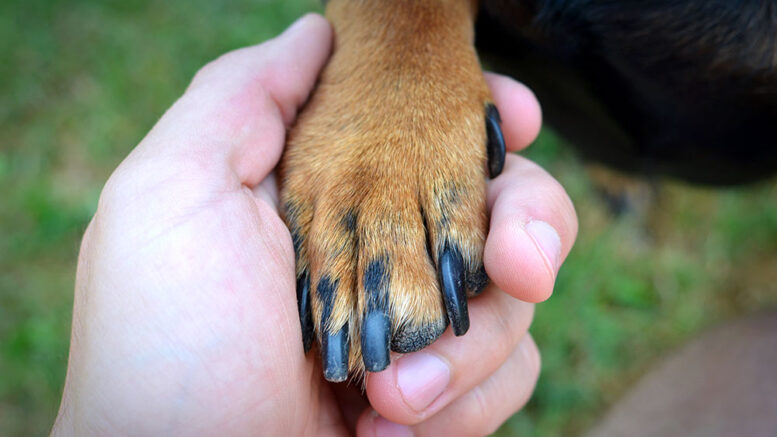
686,88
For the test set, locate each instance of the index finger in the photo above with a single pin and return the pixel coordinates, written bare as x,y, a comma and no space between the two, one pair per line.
419,384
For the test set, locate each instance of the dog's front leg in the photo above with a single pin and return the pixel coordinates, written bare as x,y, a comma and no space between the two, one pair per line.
384,182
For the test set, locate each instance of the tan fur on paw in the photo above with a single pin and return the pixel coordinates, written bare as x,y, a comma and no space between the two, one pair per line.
384,180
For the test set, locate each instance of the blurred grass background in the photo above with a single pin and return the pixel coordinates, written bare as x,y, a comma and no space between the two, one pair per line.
81,82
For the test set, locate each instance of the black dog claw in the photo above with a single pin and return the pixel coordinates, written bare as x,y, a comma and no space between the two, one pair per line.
376,336
451,267
305,314
334,355
496,141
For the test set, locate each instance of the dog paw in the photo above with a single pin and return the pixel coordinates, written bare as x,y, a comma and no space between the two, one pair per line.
383,190
388,224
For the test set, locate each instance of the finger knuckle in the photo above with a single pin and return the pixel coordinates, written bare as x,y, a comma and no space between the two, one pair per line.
533,357
215,67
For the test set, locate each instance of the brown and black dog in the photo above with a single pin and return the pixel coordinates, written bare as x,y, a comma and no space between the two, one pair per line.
384,175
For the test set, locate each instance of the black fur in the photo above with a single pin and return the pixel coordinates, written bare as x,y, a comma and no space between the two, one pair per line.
680,87
376,283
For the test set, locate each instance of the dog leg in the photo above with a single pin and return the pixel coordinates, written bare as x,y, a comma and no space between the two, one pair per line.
384,179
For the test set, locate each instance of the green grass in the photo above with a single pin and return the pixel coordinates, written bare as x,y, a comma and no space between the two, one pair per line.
635,288
80,84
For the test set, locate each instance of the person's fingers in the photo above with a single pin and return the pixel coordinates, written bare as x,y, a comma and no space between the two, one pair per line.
486,407
533,227
267,191
417,385
238,107
350,402
478,412
519,109
285,66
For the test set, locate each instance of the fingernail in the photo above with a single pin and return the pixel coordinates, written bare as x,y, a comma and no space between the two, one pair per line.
384,428
422,377
547,240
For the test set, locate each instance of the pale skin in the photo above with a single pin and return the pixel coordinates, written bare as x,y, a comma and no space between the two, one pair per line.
185,318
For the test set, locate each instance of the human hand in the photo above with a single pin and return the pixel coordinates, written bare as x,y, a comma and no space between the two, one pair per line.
185,317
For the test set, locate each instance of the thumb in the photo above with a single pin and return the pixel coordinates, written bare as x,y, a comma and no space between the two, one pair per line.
237,108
